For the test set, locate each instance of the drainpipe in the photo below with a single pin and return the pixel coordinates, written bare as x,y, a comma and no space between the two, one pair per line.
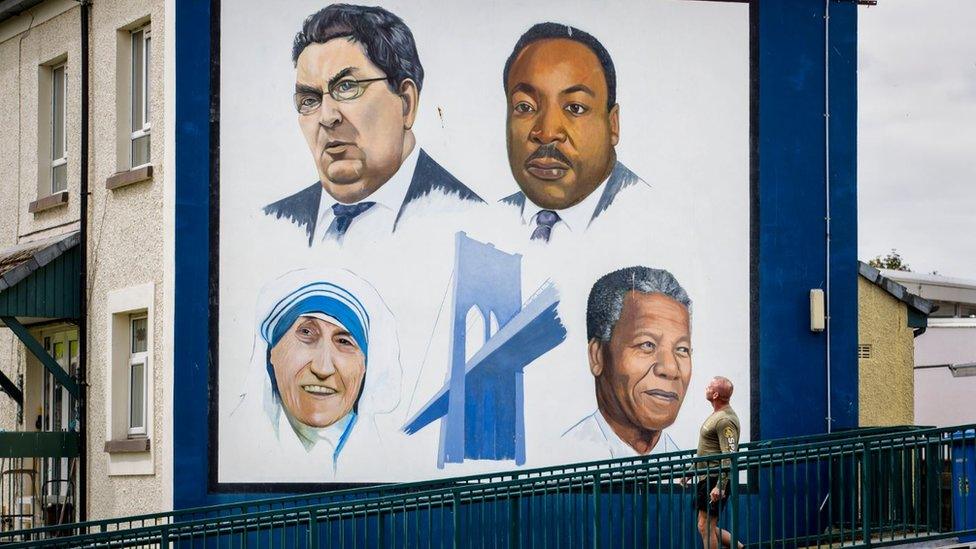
83,274
830,419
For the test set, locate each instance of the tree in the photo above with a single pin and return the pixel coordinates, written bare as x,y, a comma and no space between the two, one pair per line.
892,260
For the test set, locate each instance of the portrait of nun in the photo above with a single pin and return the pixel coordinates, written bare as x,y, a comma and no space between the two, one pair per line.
325,362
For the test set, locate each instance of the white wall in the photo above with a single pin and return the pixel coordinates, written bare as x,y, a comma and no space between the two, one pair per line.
941,399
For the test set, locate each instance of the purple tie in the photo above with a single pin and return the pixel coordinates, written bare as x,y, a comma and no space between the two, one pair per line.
544,221
344,214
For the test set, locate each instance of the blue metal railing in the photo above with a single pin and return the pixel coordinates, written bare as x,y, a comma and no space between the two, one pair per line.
864,487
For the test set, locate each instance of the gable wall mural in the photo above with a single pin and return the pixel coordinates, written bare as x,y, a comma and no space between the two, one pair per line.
459,238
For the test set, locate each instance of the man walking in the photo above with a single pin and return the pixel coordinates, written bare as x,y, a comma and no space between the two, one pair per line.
719,435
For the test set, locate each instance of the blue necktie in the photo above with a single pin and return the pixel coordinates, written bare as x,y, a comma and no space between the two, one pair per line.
544,220
344,214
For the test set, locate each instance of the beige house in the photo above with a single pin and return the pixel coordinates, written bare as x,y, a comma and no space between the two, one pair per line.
889,319
101,327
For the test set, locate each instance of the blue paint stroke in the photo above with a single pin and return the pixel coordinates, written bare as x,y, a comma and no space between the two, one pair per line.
482,402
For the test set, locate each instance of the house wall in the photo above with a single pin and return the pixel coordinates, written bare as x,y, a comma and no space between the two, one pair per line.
125,238
941,399
49,32
125,256
886,380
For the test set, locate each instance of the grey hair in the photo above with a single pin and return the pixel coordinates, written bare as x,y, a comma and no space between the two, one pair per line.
607,296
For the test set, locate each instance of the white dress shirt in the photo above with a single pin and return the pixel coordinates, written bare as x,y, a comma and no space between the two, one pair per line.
594,430
574,219
388,198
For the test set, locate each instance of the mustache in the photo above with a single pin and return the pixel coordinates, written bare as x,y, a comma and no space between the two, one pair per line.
549,150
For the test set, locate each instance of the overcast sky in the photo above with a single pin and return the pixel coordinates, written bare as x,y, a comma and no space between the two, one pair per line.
917,134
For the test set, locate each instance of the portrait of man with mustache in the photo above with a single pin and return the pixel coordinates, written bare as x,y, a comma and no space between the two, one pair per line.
357,88
563,123
638,325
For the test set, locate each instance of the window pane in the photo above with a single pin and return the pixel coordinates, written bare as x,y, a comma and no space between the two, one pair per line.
57,114
137,394
137,81
148,66
59,178
140,151
139,335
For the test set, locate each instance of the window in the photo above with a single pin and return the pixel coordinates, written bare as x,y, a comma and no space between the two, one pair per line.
138,359
140,98
59,136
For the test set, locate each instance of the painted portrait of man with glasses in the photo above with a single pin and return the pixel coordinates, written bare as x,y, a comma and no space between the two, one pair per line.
357,87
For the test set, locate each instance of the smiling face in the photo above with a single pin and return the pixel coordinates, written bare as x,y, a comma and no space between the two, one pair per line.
642,373
319,369
357,144
561,136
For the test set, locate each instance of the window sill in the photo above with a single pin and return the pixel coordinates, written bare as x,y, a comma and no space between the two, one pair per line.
51,201
129,177
127,446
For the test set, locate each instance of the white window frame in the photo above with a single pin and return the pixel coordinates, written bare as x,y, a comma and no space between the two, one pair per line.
142,358
58,162
144,76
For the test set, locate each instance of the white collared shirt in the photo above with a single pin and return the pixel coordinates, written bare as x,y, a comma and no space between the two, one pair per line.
388,198
594,429
574,219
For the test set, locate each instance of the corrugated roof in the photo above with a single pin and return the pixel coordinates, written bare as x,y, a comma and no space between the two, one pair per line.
17,262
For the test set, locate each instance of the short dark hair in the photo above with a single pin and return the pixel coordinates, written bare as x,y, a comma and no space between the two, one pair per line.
547,31
606,299
388,41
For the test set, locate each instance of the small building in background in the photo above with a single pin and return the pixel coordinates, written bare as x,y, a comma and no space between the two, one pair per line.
890,317
945,354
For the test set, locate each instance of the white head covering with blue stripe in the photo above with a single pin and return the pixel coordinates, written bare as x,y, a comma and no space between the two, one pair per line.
354,304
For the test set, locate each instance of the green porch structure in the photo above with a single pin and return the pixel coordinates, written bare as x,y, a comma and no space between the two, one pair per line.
39,283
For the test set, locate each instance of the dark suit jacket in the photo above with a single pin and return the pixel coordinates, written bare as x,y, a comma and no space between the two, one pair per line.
302,208
620,178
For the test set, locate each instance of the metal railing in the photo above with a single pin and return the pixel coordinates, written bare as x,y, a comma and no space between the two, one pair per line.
854,489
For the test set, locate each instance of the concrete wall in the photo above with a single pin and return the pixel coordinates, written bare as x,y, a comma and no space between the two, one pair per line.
26,44
941,399
886,382
125,241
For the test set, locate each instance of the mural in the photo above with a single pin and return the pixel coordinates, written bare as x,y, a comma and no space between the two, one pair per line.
467,277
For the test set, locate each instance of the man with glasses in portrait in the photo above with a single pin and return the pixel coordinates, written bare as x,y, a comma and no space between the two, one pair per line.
357,87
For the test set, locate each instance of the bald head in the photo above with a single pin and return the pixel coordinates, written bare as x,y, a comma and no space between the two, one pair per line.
719,389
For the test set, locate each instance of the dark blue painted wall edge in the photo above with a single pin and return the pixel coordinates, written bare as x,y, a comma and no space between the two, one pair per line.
792,212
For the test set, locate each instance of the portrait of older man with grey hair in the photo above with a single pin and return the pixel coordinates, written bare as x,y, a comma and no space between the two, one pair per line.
638,328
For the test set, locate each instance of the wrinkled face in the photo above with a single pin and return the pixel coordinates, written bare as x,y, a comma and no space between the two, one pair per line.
561,136
319,369
357,144
647,362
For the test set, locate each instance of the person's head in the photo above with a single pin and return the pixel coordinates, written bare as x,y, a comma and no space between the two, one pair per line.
563,117
318,341
318,367
357,84
719,390
638,324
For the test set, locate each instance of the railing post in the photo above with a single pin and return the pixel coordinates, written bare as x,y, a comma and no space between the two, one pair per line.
866,473
596,511
515,519
313,530
456,519
733,501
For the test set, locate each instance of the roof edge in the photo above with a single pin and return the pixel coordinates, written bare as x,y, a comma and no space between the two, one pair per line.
41,257
895,289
